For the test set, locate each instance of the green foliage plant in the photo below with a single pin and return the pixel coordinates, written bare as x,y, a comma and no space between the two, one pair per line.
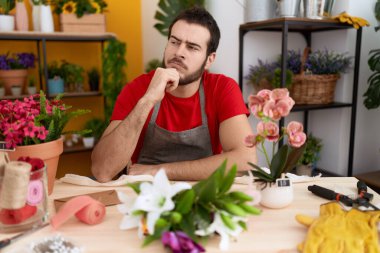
93,75
6,6
152,64
372,94
113,72
80,7
72,74
312,150
96,127
169,9
54,70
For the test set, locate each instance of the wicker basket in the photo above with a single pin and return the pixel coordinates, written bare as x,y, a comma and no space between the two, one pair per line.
313,89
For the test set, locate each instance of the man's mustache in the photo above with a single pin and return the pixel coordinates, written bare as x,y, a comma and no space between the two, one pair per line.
179,62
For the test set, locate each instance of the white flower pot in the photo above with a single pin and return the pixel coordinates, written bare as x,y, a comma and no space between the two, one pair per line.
32,90
16,90
88,142
289,8
2,92
274,196
7,23
36,14
46,19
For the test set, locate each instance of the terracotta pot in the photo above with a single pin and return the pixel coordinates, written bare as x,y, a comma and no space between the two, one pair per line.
49,152
13,77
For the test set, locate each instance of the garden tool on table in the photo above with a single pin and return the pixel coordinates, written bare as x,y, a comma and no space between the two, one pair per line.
356,22
363,199
338,231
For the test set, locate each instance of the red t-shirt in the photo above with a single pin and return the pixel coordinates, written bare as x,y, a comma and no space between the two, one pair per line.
223,100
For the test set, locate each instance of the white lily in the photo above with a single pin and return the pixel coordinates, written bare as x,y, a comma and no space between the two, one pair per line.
129,220
156,198
218,226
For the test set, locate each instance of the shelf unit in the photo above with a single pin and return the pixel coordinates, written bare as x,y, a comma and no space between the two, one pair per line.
306,27
41,40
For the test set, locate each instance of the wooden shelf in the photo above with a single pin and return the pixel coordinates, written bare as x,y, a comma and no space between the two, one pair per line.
76,148
56,36
65,95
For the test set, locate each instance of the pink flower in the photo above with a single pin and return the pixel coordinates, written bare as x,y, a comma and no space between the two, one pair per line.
296,135
297,140
278,94
256,104
250,141
265,94
269,130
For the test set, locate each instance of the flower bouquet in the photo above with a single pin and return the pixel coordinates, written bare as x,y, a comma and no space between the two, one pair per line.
180,214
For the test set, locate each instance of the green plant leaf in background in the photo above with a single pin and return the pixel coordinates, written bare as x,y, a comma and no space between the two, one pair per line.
372,95
6,6
169,9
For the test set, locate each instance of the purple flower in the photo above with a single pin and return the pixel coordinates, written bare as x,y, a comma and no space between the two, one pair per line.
17,61
179,242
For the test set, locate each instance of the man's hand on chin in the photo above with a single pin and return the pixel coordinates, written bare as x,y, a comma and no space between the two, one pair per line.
143,169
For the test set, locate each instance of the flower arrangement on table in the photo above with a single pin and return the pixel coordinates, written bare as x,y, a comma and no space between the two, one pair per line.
34,120
180,214
270,106
80,7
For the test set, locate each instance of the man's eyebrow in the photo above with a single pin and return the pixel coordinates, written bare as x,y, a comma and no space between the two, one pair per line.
187,42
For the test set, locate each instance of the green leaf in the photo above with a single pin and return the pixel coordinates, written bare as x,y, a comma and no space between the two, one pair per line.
242,224
135,186
185,201
234,209
278,162
228,180
293,157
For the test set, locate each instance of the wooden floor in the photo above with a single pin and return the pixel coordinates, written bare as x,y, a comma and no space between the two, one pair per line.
372,179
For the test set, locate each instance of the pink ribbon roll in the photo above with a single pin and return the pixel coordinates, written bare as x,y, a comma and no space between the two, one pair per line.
85,208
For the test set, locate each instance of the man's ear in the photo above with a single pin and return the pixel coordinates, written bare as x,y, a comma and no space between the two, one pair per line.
210,60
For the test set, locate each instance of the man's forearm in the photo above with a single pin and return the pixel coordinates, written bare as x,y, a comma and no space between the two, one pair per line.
115,149
202,168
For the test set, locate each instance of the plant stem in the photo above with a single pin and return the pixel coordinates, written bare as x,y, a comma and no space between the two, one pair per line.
265,153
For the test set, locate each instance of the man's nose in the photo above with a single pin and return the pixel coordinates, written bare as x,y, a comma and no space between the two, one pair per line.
181,51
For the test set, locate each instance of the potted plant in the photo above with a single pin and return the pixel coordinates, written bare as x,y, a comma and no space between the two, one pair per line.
2,90
321,68
268,75
13,69
72,74
32,89
152,65
7,22
81,15
96,127
37,128
269,107
55,83
93,78
372,94
310,155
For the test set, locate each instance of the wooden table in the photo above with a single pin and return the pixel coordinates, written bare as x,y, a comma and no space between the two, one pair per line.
276,230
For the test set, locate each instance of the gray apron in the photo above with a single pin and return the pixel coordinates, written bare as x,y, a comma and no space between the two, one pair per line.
163,146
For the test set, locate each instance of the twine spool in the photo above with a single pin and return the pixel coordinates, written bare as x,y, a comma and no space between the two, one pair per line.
15,185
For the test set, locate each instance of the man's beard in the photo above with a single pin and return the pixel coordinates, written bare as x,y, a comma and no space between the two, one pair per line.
187,79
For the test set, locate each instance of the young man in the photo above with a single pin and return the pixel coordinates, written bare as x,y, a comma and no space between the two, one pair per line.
179,117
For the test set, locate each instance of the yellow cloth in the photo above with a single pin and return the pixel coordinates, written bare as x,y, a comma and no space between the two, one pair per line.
356,22
339,231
